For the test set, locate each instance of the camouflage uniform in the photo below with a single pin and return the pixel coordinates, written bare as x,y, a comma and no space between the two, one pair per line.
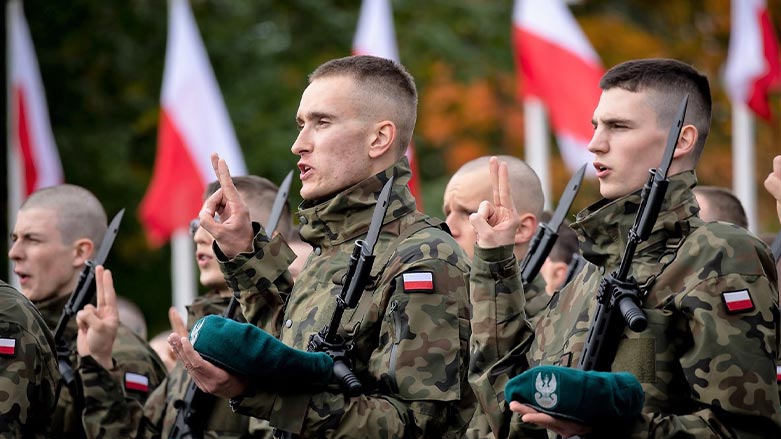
130,353
705,372
110,415
410,346
502,337
28,368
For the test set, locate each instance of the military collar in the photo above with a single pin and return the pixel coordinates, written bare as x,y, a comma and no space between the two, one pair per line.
347,215
209,303
51,310
603,227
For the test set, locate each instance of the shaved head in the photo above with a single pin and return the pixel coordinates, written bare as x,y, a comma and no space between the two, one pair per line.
79,213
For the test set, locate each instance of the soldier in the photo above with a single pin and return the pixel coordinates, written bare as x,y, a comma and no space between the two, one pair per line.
706,362
57,230
720,204
157,417
470,185
28,368
410,328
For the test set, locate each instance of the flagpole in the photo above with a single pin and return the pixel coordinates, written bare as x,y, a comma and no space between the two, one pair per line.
183,270
537,149
13,174
744,161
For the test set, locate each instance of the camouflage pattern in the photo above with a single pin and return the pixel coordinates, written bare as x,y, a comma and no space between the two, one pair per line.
29,375
411,348
130,354
536,297
109,414
706,373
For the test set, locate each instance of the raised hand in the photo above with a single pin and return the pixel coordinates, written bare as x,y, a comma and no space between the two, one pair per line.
496,223
98,325
233,230
773,184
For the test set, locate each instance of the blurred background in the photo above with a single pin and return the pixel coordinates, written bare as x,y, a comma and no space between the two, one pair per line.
102,62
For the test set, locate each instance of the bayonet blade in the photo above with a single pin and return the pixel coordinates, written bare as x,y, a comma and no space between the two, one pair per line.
565,202
379,214
672,139
279,204
108,239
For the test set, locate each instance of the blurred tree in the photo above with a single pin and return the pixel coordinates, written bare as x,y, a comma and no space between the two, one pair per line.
102,65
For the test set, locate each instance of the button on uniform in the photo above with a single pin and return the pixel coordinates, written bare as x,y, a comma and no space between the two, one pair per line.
288,323
317,250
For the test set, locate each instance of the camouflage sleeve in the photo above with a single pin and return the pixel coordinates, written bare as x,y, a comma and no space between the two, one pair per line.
499,331
28,380
262,279
107,411
729,365
416,379
139,368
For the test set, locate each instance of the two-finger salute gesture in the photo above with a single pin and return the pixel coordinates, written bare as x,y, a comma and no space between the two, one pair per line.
496,223
224,214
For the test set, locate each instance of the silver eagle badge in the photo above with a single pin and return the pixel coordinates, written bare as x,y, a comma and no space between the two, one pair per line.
546,396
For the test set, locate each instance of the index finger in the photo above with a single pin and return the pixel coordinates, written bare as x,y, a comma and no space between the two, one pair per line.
505,197
224,177
177,324
104,282
493,166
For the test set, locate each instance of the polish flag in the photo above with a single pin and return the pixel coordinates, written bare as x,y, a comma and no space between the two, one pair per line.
35,162
193,124
558,66
753,67
135,381
376,36
7,346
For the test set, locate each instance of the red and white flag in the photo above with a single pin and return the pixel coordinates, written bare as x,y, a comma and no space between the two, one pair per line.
753,67
376,36
557,65
7,346
34,152
193,123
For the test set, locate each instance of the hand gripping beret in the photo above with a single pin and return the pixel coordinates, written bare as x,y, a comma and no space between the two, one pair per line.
247,350
582,396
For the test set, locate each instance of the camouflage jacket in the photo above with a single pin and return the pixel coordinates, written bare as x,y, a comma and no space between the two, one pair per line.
536,297
111,415
410,343
28,368
706,371
137,367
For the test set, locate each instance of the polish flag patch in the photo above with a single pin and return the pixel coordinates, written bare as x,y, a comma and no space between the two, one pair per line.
737,301
778,374
8,346
418,281
137,382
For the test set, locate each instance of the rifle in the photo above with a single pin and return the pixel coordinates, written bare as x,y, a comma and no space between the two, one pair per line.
358,276
618,297
81,296
192,410
547,234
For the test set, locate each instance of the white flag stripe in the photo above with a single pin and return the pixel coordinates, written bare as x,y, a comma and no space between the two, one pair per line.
376,34
192,97
7,342
131,377
417,277
26,75
745,58
736,296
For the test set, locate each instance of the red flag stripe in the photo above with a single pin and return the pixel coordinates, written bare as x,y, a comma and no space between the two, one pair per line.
771,78
23,132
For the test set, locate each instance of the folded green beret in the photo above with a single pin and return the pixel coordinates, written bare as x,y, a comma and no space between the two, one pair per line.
247,350
581,396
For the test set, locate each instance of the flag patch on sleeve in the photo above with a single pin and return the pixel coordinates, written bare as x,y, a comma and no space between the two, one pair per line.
137,382
420,281
778,374
7,346
737,301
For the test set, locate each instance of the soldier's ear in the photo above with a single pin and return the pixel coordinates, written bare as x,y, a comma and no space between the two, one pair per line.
526,229
686,141
82,251
382,139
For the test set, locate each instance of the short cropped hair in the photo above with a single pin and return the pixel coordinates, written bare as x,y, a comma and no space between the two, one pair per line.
258,194
723,204
384,78
79,213
668,80
524,182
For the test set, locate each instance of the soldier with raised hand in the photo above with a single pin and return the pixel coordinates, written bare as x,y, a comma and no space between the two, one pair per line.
410,328
108,413
57,230
28,368
706,362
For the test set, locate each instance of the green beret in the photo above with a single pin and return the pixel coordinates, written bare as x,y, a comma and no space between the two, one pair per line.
582,396
246,350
